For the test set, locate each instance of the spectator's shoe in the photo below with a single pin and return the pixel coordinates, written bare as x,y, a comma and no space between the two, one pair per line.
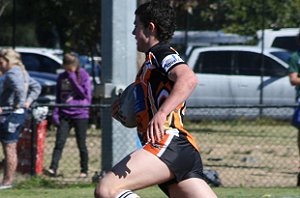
5,186
298,180
83,175
51,173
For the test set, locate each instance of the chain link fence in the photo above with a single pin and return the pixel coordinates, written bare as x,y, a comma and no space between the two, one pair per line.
252,146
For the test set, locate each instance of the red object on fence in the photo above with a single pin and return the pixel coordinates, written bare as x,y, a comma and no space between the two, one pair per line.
26,149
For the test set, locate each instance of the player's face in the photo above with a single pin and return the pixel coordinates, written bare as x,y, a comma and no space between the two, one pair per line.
141,35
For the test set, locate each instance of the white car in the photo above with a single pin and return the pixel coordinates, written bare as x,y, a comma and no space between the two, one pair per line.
231,75
41,59
284,38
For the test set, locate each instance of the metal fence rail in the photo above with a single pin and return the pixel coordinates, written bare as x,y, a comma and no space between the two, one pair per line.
247,145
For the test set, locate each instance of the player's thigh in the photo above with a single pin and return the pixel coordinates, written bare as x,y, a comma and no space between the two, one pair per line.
191,188
138,170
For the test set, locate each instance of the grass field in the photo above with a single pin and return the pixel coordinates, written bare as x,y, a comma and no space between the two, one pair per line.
245,153
153,192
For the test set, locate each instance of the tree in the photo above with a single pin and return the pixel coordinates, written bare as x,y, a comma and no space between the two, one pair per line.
75,25
243,17
3,5
66,24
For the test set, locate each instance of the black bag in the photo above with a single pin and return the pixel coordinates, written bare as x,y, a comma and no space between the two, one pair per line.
212,177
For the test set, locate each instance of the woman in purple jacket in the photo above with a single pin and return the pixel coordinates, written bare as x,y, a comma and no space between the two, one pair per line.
73,88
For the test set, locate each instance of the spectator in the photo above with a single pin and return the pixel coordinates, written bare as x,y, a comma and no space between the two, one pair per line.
294,75
18,92
73,88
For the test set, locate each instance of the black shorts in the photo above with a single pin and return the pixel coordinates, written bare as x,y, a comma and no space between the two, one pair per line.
182,159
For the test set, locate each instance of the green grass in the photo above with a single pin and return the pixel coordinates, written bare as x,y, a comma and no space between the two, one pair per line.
153,192
38,187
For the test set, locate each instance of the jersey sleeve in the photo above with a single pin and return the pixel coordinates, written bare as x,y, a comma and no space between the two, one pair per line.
167,58
170,61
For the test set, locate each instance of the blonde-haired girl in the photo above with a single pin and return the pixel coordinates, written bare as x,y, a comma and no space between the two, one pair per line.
18,92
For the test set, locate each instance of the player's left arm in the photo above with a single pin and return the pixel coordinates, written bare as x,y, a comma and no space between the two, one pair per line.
185,82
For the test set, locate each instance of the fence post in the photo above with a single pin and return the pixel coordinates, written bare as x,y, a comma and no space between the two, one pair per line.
33,145
118,70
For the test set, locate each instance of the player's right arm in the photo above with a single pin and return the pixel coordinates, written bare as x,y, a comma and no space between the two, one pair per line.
185,82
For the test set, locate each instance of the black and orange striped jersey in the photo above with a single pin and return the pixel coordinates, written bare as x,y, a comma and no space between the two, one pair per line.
152,88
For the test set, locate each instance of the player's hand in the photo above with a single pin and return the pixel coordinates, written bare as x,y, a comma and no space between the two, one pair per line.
156,130
1,110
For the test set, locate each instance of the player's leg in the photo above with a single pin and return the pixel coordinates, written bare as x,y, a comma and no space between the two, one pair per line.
191,188
138,170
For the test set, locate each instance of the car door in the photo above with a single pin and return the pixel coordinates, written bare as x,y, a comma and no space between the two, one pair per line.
277,89
213,69
246,79
274,87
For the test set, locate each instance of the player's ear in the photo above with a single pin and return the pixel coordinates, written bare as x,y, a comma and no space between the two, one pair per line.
152,27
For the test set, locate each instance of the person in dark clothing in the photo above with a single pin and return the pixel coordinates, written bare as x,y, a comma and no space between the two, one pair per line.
294,76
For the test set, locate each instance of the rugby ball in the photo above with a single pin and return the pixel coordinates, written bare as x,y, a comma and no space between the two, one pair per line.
126,111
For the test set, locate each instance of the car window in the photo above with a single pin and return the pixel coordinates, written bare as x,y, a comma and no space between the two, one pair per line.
214,62
249,63
282,55
273,68
286,42
37,62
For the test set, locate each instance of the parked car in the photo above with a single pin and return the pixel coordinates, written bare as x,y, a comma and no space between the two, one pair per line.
45,64
48,83
231,75
42,64
284,38
185,41
41,59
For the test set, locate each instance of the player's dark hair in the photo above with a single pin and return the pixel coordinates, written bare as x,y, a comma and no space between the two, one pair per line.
161,14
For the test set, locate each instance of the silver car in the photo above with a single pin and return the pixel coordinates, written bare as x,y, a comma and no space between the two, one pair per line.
231,75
